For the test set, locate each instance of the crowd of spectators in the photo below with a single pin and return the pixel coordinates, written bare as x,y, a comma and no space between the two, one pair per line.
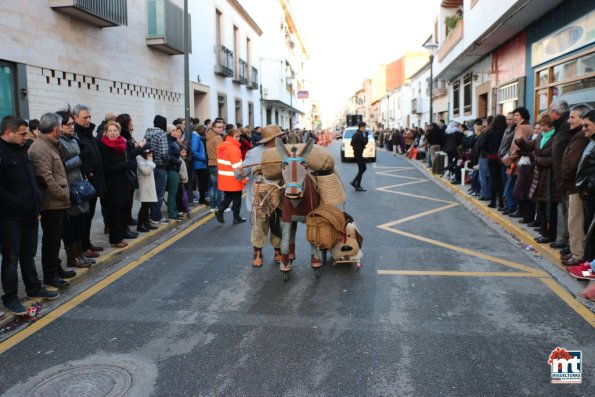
54,170
525,170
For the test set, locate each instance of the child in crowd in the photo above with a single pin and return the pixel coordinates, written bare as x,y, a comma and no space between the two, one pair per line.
146,192
182,199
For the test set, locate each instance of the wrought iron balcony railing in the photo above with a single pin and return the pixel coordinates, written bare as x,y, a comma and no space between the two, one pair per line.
254,79
242,72
102,13
224,57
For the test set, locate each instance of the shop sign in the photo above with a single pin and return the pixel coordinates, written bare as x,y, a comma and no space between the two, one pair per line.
571,37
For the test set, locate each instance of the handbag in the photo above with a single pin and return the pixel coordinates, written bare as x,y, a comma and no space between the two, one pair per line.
81,192
132,178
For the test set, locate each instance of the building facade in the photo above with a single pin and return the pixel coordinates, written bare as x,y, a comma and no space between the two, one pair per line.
118,61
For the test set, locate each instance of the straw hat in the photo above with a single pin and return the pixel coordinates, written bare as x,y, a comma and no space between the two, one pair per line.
270,132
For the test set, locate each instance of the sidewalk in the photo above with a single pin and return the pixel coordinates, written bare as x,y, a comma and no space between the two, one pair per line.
109,255
520,232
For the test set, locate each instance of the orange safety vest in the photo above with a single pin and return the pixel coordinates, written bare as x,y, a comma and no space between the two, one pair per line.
229,157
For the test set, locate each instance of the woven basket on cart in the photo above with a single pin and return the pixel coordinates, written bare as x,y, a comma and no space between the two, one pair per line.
330,189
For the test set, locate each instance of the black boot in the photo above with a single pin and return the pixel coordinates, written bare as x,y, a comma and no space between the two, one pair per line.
219,216
238,219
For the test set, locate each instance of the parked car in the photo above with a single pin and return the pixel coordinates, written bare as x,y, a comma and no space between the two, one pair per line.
347,150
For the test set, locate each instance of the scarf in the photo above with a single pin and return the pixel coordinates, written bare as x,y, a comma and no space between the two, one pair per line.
118,145
545,136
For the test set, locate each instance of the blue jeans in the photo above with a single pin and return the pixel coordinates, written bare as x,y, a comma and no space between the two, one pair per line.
510,202
484,179
215,195
19,244
160,184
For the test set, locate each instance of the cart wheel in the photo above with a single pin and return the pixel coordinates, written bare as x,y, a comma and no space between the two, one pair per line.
286,276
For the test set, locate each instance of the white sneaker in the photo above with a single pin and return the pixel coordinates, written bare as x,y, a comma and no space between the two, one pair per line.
164,221
227,209
154,223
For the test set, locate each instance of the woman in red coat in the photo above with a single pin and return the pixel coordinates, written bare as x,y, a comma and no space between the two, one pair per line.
229,157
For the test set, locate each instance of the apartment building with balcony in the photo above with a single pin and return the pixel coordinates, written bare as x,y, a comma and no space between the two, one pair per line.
224,64
285,87
480,53
114,56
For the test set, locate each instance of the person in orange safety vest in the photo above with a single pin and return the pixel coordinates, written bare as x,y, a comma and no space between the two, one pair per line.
229,157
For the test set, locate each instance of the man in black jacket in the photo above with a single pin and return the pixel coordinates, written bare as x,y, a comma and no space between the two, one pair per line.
20,202
559,112
359,142
92,169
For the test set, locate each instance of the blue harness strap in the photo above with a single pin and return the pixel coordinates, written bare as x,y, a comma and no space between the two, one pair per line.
288,159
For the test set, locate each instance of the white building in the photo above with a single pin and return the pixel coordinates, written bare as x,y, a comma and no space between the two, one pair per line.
419,86
55,53
285,87
225,62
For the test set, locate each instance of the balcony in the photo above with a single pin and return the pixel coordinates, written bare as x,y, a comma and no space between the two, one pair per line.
415,106
101,13
242,72
451,40
165,22
224,57
254,79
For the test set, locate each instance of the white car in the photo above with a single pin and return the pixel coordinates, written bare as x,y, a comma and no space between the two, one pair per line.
347,150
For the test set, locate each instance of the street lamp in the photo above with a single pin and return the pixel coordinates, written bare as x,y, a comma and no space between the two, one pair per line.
431,46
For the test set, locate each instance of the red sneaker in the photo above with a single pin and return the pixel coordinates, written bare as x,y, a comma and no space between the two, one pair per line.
582,272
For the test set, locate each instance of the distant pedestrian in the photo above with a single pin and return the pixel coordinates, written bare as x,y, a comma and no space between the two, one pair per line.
21,201
214,139
359,142
199,162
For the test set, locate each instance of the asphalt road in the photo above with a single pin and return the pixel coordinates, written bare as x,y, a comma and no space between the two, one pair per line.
422,317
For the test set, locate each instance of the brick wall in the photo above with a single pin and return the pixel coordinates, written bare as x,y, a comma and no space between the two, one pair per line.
53,90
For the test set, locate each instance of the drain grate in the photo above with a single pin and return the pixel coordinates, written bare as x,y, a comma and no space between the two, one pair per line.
101,380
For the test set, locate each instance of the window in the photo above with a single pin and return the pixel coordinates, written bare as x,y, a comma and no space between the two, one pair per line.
456,98
238,108
251,114
7,90
467,93
219,27
571,79
222,106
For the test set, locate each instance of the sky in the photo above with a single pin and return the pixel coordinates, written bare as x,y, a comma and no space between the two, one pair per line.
348,40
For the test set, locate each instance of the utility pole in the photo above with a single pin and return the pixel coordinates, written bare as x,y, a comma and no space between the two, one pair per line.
187,129
432,47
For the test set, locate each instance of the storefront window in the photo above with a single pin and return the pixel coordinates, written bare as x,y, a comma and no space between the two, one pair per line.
7,104
543,78
572,79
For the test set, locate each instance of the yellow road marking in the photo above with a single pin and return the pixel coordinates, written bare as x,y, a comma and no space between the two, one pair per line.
420,215
384,188
415,195
453,273
468,252
569,299
83,296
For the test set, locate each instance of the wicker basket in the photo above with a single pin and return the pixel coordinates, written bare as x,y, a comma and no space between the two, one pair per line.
267,197
330,189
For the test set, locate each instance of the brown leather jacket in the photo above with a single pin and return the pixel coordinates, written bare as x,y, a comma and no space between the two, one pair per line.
50,172
572,156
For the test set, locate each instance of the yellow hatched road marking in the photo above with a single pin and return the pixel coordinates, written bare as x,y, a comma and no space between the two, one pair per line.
582,311
83,296
453,273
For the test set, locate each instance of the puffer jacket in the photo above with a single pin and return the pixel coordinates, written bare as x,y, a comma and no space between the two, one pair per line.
199,156
50,172
72,164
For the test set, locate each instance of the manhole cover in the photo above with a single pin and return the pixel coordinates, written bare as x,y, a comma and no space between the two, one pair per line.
100,380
